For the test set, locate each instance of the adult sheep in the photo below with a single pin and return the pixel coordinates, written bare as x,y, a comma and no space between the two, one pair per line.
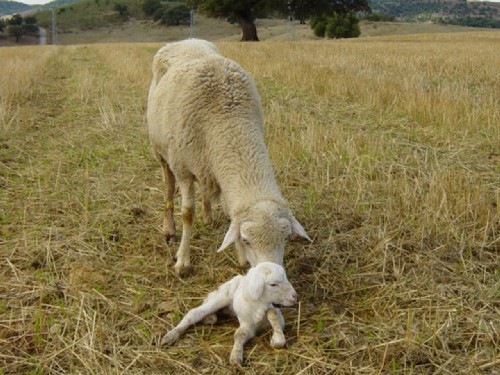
206,124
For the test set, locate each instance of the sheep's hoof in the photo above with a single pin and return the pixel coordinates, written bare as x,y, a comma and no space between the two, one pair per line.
278,341
170,338
183,271
210,319
169,237
207,220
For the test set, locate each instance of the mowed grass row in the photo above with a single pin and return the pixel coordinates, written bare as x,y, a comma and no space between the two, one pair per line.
387,150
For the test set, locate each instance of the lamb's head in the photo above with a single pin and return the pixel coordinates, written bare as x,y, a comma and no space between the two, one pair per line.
267,282
260,232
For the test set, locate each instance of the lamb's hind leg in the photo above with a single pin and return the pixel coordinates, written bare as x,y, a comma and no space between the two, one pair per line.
168,218
213,303
241,336
183,265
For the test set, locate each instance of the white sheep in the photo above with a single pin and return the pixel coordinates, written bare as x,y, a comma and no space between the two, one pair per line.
206,124
250,298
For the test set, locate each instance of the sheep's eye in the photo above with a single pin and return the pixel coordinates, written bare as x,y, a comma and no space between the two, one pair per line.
274,284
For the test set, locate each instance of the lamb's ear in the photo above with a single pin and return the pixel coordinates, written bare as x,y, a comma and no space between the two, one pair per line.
255,285
297,228
231,236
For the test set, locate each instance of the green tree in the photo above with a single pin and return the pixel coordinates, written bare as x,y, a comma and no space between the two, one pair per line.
2,24
30,20
16,31
16,19
246,10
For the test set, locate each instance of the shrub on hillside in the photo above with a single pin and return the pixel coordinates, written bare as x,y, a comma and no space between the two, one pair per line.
150,7
122,10
338,25
176,15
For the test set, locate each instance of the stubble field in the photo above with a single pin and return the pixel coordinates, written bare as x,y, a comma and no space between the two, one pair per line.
387,149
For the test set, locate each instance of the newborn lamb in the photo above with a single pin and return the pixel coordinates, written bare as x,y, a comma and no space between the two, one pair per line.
249,298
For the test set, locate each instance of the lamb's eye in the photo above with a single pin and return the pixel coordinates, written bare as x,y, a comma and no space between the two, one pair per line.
245,241
273,285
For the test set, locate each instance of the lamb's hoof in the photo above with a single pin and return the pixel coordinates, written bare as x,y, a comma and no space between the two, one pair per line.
236,359
210,319
183,271
169,339
278,341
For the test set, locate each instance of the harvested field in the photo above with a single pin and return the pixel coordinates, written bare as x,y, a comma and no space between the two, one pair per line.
387,149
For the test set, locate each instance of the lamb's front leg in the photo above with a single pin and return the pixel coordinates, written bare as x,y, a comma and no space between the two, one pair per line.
277,322
241,336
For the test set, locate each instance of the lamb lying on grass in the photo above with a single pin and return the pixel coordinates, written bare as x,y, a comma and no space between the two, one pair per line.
250,298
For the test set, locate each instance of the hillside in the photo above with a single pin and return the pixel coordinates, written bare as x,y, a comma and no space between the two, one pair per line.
91,21
440,10
10,7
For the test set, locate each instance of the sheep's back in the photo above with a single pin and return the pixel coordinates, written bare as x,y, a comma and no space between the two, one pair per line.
205,117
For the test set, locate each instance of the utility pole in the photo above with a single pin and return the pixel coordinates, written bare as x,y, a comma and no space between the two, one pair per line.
54,32
191,23
290,31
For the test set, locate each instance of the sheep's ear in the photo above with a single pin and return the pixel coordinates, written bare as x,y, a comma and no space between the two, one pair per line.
255,286
231,236
297,228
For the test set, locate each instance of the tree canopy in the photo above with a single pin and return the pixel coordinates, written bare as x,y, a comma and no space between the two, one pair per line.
246,10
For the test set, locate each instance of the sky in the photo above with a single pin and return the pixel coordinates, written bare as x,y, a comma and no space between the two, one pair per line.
32,2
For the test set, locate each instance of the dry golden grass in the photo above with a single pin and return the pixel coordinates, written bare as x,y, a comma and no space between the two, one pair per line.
386,148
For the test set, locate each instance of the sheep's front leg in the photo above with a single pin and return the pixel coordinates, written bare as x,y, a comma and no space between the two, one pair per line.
277,322
183,265
241,336
168,218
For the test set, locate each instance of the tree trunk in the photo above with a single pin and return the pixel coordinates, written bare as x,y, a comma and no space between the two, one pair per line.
247,27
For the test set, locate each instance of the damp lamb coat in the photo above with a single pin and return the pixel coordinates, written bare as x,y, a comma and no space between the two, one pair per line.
206,125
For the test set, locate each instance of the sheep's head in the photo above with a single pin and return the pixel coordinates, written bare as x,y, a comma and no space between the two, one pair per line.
268,282
260,232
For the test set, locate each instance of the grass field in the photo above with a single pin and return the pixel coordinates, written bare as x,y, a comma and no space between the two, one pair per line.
387,149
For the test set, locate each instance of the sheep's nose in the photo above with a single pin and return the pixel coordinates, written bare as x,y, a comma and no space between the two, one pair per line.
295,296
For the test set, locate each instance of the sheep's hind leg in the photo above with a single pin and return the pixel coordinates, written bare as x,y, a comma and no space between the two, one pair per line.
277,322
168,218
183,264
241,336
206,210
